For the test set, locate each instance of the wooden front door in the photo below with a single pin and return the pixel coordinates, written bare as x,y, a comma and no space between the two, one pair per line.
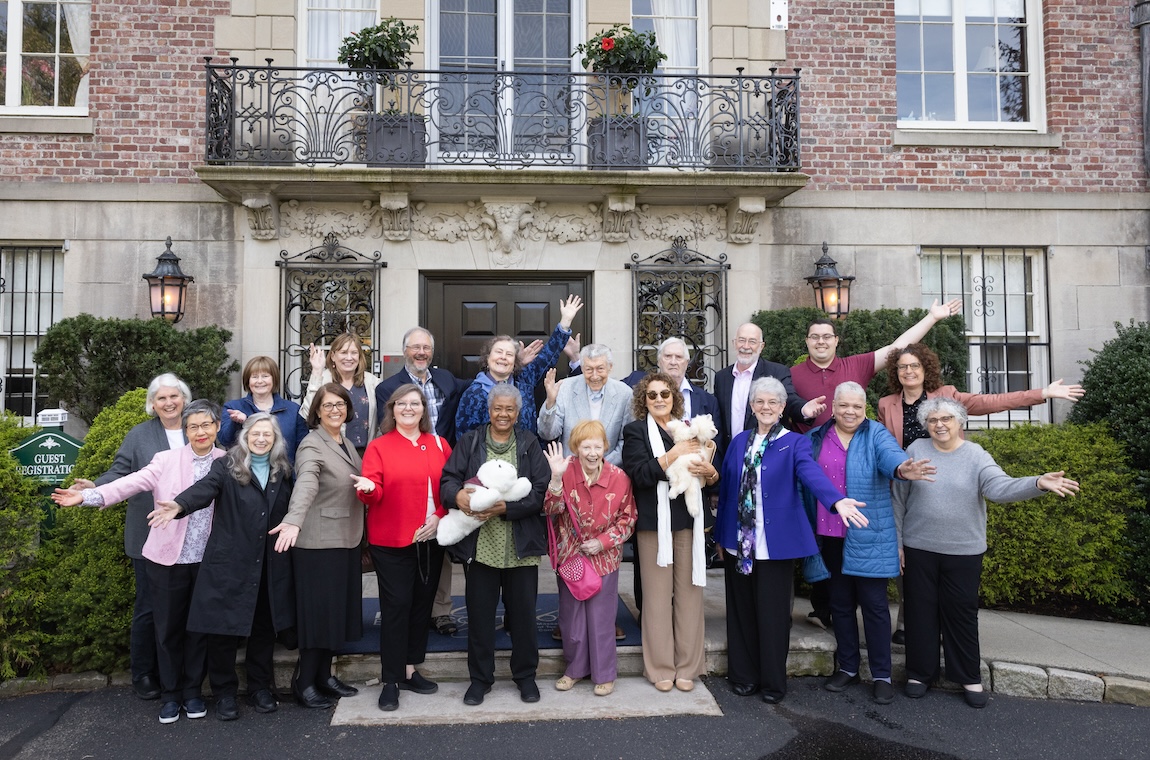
464,310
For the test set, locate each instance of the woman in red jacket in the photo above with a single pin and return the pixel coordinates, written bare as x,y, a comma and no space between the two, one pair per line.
403,467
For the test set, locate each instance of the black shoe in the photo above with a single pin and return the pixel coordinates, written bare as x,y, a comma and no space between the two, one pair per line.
916,690
883,693
528,690
444,625
976,699
227,709
147,687
743,689
419,684
840,681
333,687
898,637
169,712
823,616
475,693
772,699
310,697
195,708
263,701
389,697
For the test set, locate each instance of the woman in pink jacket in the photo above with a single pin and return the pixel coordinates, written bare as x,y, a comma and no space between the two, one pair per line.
173,555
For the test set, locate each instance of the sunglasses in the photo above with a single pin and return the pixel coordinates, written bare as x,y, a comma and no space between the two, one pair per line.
652,395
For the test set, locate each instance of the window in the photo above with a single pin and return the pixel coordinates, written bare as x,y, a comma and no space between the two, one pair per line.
45,56
676,27
328,22
1004,303
31,300
969,63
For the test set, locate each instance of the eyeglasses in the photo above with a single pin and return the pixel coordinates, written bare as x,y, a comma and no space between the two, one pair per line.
904,367
331,406
408,404
747,341
772,403
935,421
652,395
826,338
206,427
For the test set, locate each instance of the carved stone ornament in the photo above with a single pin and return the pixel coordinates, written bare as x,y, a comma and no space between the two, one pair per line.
697,224
395,216
743,215
619,218
263,215
321,221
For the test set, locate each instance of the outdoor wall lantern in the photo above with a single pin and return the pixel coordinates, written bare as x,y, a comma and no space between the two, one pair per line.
832,290
168,285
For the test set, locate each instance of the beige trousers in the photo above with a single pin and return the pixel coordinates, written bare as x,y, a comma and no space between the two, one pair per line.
673,624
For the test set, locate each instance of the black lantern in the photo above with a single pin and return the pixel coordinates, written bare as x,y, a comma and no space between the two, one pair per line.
832,290
168,285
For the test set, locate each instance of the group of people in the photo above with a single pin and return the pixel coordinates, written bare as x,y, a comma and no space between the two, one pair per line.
249,522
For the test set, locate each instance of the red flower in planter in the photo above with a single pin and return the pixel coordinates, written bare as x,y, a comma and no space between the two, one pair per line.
608,43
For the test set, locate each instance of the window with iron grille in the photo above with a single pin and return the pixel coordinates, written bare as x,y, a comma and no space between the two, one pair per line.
1004,303
31,300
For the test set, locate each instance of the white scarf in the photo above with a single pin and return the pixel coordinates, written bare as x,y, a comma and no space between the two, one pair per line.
665,555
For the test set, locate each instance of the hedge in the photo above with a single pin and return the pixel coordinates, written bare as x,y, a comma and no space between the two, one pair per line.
20,516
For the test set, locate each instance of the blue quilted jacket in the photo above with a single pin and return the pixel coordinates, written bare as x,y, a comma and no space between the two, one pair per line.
872,458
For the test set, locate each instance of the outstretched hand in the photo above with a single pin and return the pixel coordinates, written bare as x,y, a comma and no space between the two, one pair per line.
1058,389
163,514
917,469
568,309
1056,482
814,407
65,498
288,533
556,460
948,309
848,510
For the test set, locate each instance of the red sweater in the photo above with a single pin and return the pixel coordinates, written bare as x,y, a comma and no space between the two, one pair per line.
400,470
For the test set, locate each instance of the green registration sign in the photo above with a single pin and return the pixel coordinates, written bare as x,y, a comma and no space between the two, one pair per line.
48,456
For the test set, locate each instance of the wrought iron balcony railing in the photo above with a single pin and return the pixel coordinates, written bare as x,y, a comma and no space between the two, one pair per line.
275,115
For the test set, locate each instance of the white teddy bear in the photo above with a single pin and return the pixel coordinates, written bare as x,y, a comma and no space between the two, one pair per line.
679,474
497,481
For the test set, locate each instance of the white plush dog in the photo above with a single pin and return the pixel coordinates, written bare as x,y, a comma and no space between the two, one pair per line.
496,481
678,474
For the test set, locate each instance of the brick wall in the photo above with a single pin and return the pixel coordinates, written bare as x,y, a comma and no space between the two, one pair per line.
146,99
847,52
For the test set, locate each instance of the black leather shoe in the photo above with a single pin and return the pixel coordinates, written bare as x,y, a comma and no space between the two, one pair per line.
263,701
898,637
840,681
333,687
475,693
310,697
977,699
823,616
916,690
772,699
147,687
389,697
227,709
883,693
419,684
743,689
529,690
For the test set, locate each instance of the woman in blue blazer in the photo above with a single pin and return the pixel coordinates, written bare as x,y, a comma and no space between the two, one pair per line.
762,527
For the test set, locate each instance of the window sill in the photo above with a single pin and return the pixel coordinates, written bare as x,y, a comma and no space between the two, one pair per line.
47,125
972,139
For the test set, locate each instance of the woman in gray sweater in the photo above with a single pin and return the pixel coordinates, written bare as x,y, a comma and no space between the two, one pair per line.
942,537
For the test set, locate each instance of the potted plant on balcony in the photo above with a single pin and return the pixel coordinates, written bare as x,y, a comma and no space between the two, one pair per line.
621,56
380,54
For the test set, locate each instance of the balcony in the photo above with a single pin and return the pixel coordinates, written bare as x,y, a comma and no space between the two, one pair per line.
458,132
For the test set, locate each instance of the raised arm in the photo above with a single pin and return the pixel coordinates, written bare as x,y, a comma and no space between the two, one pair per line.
936,313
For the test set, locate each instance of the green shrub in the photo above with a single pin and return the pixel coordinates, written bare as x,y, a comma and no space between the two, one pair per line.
87,363
1064,550
785,333
87,579
20,514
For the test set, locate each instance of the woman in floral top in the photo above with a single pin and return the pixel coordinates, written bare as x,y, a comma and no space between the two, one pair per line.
598,495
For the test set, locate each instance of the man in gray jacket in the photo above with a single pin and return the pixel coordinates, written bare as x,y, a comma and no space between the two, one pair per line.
594,395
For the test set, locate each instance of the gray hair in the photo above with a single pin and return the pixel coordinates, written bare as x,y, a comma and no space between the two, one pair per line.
941,404
407,336
240,455
850,386
504,390
673,341
201,406
166,380
769,386
596,351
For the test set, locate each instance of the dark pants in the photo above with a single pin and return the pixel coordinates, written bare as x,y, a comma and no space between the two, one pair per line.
759,623
257,659
180,653
520,587
142,644
847,593
408,578
942,597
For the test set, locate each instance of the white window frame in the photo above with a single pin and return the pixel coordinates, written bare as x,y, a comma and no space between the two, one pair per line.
702,46
303,28
983,292
12,59
1036,92
16,292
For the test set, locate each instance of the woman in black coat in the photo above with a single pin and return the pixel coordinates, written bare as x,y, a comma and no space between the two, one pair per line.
244,588
503,554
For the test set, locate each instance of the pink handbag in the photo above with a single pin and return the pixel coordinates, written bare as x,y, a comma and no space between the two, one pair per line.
578,572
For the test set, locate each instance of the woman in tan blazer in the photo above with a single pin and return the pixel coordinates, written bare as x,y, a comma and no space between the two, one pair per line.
323,528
